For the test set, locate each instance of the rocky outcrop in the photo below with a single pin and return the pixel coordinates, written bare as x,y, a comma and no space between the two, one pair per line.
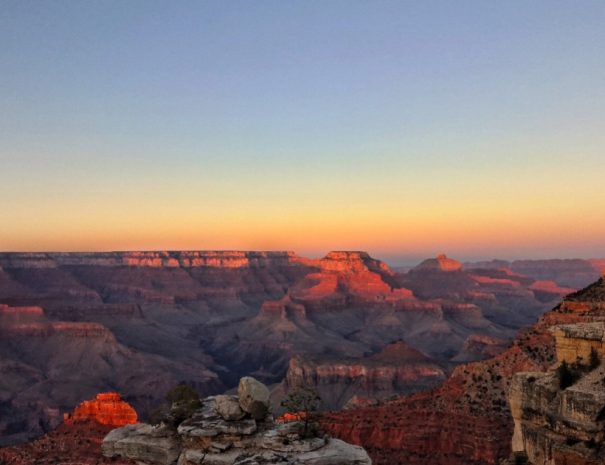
212,436
143,443
106,408
557,420
467,419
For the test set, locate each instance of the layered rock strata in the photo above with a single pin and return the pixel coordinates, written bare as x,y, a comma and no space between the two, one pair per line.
140,322
396,369
557,424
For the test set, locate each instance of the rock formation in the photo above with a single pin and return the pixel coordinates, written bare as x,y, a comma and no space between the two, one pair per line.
106,408
561,420
217,433
396,369
575,343
467,419
574,273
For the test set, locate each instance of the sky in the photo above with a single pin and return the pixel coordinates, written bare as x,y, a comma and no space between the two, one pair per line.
404,128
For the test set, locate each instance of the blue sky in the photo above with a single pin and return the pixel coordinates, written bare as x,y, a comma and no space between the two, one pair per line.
350,113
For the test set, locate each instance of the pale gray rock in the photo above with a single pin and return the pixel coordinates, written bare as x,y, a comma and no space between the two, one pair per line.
212,428
228,408
195,456
253,397
336,452
285,438
210,439
155,445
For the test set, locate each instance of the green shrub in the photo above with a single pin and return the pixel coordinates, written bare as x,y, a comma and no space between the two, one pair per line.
304,401
182,402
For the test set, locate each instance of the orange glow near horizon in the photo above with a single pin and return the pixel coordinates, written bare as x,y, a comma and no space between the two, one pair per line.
492,206
507,226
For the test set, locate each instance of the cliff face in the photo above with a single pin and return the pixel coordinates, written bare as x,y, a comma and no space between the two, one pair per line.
177,259
559,423
397,369
576,342
467,419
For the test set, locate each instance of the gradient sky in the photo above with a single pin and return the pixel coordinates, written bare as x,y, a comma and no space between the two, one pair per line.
404,128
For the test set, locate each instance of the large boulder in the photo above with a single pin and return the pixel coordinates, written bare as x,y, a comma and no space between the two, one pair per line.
253,397
155,445
228,408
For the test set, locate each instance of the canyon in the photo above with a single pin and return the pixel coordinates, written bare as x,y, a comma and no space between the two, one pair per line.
76,324
467,419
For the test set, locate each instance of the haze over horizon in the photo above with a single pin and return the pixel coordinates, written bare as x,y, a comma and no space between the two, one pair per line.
403,129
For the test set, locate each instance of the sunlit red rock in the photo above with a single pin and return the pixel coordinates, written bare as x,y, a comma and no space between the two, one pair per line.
550,287
288,417
106,408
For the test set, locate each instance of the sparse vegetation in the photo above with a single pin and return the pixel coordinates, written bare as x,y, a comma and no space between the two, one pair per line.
567,375
182,401
304,401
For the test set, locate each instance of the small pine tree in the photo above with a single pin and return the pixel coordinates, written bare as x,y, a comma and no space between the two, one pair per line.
182,401
305,402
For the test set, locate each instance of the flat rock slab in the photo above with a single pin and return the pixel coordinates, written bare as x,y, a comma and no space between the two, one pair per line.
336,452
275,441
212,428
145,443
